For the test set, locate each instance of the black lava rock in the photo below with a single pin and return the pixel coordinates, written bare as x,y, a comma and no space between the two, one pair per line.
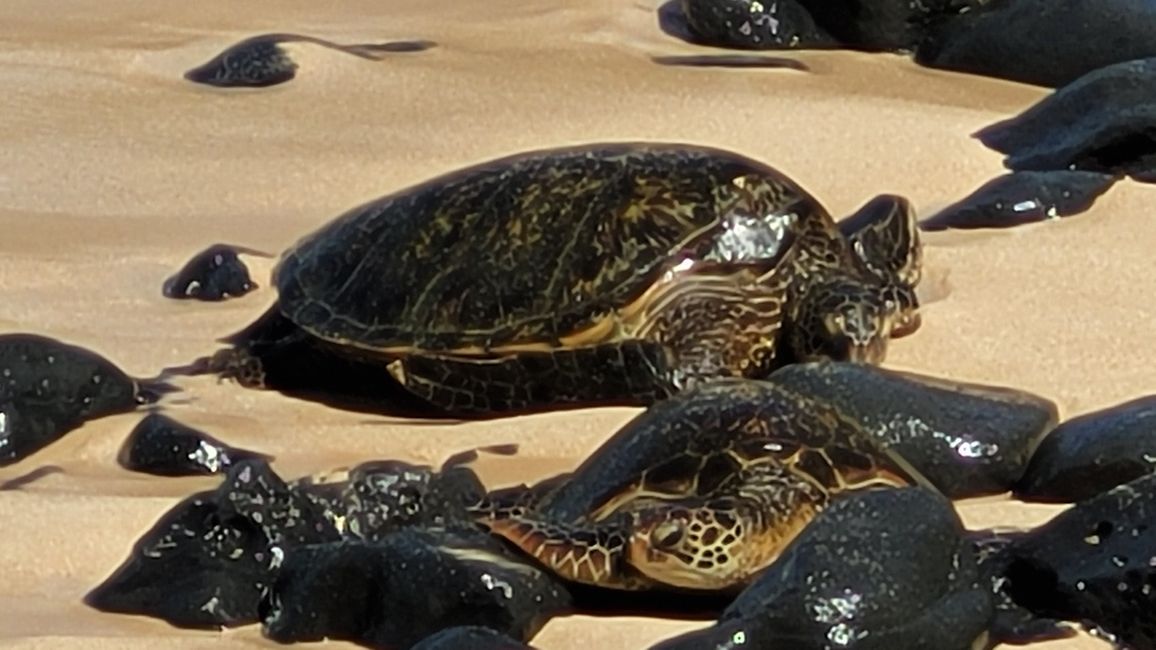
216,273
48,388
384,497
163,446
1094,563
1043,42
402,588
967,439
884,25
879,569
1093,453
260,61
753,25
1105,121
208,560
1023,197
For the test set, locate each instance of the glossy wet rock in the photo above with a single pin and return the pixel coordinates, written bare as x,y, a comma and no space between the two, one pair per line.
262,61
471,637
967,439
1095,563
1021,198
752,24
406,586
48,388
1092,453
880,569
207,561
382,497
883,25
163,446
1104,121
216,273
1043,42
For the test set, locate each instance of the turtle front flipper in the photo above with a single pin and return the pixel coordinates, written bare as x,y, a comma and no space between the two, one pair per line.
884,235
592,555
884,238
628,372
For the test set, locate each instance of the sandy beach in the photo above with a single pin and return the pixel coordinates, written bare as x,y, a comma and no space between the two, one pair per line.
114,170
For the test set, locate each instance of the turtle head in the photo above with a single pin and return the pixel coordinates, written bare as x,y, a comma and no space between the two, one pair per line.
844,319
688,548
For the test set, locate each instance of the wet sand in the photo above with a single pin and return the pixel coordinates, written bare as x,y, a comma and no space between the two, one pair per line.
114,171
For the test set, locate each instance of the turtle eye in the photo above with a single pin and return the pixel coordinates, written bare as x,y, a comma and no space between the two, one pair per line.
667,534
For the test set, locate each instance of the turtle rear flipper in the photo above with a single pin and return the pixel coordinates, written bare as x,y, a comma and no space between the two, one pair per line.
600,374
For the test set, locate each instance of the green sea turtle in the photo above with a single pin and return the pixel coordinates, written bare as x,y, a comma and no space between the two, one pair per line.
700,492
602,273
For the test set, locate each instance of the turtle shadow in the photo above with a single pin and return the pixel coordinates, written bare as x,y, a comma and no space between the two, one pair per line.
304,367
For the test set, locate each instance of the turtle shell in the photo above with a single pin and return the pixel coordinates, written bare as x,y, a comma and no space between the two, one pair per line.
526,250
690,444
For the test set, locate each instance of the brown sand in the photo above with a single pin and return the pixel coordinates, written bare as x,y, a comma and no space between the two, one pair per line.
114,170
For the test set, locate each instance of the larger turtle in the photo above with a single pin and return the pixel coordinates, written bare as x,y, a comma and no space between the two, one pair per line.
602,273
700,492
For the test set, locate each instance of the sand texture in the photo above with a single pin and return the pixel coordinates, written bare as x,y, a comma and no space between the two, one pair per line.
114,171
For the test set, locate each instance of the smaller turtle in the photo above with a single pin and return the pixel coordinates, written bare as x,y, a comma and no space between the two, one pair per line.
699,492
262,61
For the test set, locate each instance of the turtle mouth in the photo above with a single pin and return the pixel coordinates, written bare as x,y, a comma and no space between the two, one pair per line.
871,351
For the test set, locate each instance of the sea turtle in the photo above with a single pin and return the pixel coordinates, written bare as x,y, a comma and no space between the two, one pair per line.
601,273
700,492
